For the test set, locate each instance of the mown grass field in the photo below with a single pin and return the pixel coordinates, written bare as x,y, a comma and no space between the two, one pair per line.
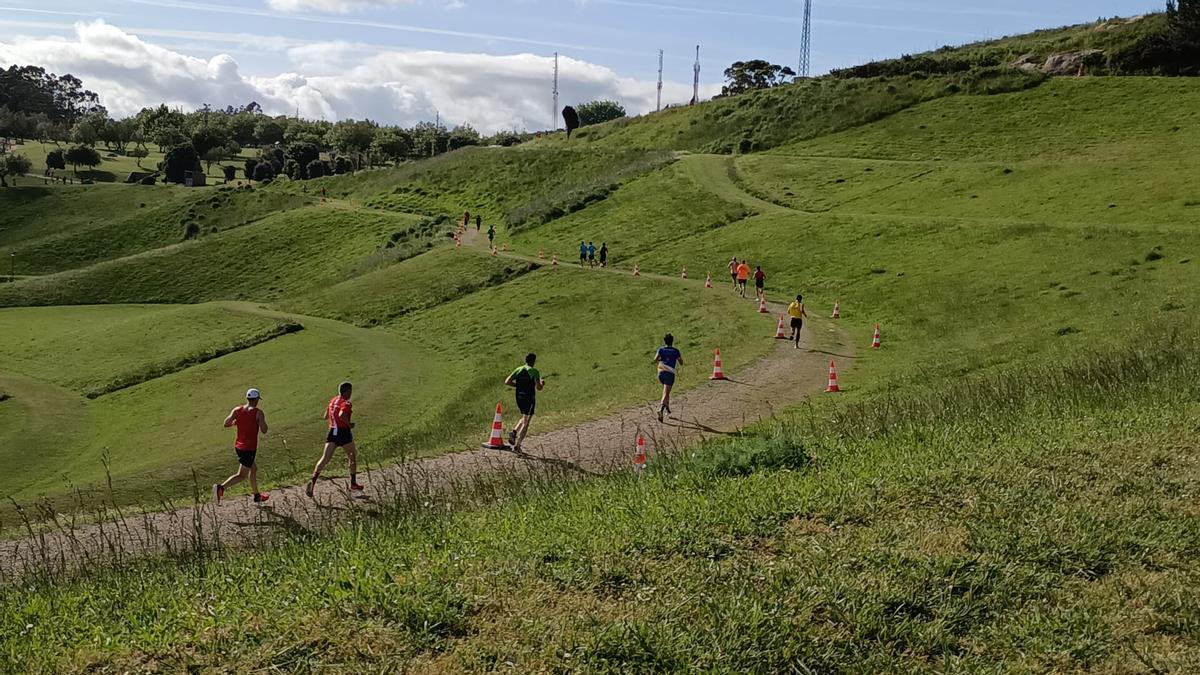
1008,484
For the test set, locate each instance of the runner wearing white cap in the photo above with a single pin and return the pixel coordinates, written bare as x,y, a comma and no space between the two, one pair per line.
250,422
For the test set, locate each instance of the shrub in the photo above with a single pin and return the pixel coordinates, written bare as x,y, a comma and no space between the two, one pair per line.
316,169
251,165
230,172
264,172
178,161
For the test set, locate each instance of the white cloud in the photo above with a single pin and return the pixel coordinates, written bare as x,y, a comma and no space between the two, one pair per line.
332,80
343,6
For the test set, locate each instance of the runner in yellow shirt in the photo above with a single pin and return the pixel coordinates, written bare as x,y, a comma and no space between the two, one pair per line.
796,311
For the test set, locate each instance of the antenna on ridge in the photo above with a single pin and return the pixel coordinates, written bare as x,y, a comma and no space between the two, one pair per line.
554,113
696,79
806,41
658,106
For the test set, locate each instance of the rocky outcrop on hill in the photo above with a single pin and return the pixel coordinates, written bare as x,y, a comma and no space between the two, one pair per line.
1065,63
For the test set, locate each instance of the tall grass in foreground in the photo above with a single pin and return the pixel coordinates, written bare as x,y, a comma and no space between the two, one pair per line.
1042,520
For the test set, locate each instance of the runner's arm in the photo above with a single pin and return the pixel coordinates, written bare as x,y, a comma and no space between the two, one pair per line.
541,385
262,421
229,420
509,381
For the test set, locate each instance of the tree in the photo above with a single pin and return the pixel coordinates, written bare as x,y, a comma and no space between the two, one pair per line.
162,126
32,91
744,76
14,165
596,112
139,153
392,144
291,169
315,169
230,172
302,154
85,132
571,119
263,172
462,136
178,161
268,132
352,138
54,160
1184,17
118,134
207,139
85,155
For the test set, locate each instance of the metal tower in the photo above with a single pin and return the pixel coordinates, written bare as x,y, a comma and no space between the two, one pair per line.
696,78
658,106
806,42
554,112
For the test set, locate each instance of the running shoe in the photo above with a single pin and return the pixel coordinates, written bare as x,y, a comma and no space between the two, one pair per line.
261,497
355,487
512,437
308,489
218,492
660,414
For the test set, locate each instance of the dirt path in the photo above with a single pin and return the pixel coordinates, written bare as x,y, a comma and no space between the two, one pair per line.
784,377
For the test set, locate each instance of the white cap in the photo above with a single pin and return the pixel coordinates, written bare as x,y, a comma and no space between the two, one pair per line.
253,393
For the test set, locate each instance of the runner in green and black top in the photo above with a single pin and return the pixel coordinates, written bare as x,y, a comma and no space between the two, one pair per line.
528,382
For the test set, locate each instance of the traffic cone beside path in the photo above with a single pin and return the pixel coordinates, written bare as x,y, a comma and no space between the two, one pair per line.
833,381
496,442
762,305
837,309
876,342
637,272
684,275
781,330
541,256
554,260
708,280
639,454
718,373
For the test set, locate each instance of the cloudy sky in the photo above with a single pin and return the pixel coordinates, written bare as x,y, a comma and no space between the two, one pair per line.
483,62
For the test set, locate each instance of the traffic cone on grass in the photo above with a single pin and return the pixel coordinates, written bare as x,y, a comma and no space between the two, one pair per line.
639,454
554,260
781,329
541,255
684,275
876,342
837,309
718,372
833,379
637,272
708,280
762,305
496,442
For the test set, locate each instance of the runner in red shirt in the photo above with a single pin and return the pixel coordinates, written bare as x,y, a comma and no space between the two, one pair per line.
338,414
250,422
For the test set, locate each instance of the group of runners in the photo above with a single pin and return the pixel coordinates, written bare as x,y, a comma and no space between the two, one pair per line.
589,257
739,272
250,422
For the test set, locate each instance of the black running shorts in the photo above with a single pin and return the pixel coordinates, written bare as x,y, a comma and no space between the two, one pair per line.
339,437
246,457
526,404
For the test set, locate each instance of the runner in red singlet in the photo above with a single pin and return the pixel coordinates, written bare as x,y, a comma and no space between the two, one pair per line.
338,414
250,422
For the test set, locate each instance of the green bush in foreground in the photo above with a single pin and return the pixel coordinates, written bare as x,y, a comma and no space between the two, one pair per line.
1002,524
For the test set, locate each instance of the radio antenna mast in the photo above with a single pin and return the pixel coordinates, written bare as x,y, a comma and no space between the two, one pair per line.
696,78
806,41
658,106
554,113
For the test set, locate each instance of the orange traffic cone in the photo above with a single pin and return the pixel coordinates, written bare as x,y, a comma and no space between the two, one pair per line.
496,442
554,260
718,373
833,381
781,330
637,272
837,309
762,305
457,242
684,275
876,342
493,250
541,255
708,280
506,246
639,454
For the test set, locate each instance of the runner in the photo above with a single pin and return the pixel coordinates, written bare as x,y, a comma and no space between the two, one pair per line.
466,219
667,358
582,253
603,254
338,413
591,254
491,234
250,422
796,311
528,382
760,281
733,265
743,273
478,222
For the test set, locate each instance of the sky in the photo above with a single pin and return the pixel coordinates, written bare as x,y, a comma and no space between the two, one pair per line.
487,63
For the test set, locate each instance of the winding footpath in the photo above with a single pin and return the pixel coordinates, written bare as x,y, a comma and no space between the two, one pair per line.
782,378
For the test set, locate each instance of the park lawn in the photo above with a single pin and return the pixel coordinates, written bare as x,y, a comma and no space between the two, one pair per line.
280,255
115,167
98,349
46,230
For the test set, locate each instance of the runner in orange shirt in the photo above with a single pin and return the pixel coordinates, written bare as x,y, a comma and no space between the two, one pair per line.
743,273
250,422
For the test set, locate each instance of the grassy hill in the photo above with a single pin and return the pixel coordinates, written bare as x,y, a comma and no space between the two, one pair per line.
1008,484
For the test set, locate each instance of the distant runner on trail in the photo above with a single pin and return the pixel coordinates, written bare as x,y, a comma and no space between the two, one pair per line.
796,312
491,234
528,382
603,255
591,254
668,359
338,414
743,273
250,422
733,265
582,253
466,218
478,222
760,280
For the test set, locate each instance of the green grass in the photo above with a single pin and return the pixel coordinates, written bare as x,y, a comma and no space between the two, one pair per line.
1033,524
